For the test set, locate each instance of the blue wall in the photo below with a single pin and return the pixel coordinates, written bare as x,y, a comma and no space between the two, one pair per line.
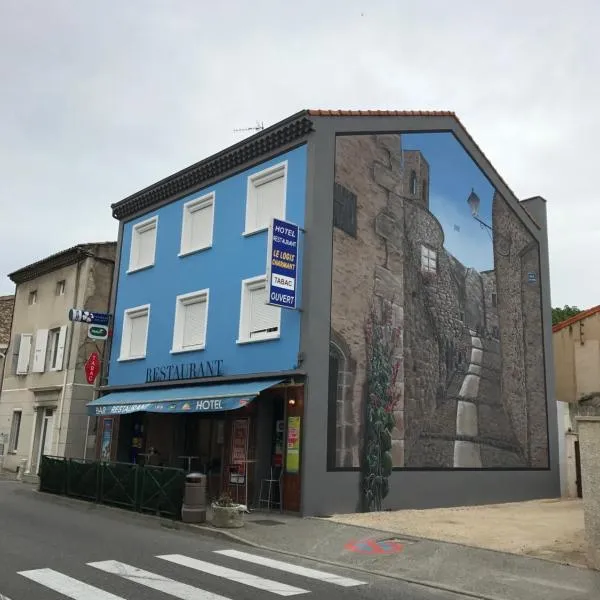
221,268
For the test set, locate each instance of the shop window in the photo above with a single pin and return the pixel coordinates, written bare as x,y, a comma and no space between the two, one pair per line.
265,198
428,260
258,320
197,225
143,244
191,320
135,332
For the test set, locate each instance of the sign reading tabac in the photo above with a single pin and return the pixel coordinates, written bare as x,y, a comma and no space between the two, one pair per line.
282,264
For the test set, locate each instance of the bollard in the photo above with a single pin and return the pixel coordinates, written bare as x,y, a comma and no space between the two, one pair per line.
21,471
194,499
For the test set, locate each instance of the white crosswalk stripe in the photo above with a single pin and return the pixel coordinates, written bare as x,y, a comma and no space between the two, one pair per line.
75,589
291,568
281,589
183,591
67,586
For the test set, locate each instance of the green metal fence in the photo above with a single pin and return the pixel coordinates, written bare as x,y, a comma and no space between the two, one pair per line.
158,490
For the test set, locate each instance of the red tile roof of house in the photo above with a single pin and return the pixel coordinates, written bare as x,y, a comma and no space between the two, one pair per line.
575,318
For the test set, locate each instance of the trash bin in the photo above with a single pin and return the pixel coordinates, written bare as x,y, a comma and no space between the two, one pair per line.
194,499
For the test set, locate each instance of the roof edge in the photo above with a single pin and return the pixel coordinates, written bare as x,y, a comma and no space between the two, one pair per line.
584,314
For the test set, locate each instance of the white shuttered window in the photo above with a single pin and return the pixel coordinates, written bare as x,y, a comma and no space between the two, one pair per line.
258,320
266,197
197,226
191,321
24,354
135,333
143,244
39,353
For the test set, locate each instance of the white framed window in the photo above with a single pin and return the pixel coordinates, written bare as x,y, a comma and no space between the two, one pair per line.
143,244
32,299
134,338
197,224
15,430
428,260
258,320
23,353
56,348
60,287
191,321
265,198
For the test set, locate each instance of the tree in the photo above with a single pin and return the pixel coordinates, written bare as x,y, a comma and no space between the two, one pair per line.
562,314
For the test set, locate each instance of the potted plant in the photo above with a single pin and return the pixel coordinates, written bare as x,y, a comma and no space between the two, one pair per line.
227,513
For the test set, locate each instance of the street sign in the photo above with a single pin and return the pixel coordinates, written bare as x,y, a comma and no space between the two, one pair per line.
282,264
97,332
92,367
85,316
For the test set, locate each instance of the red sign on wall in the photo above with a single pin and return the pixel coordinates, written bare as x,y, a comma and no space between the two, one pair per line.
92,367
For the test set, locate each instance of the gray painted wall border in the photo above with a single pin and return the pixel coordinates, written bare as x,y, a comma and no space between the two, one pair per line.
323,491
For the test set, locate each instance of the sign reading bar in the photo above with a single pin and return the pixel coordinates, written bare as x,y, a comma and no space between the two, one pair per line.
85,316
207,368
171,406
282,264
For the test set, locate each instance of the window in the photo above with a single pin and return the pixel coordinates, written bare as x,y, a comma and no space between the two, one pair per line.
197,226
344,209
191,317
23,354
60,287
135,332
266,198
143,245
258,320
56,348
413,183
494,300
32,298
428,260
15,430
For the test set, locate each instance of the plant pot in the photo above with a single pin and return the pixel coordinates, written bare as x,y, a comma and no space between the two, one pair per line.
227,516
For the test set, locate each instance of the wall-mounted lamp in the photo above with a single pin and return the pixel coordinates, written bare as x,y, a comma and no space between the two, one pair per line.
292,402
474,203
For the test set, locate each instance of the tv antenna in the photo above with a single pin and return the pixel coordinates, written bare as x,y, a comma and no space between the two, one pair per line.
258,127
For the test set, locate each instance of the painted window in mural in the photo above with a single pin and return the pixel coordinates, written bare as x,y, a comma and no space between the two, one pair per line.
436,329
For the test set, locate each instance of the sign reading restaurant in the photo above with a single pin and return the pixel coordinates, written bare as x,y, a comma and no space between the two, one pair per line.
197,370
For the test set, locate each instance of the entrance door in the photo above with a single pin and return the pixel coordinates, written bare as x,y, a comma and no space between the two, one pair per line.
45,445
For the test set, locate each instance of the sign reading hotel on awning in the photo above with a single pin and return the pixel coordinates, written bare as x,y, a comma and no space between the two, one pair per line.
176,406
282,264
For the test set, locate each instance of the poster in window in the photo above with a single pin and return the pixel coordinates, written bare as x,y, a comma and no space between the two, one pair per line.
292,462
239,450
107,430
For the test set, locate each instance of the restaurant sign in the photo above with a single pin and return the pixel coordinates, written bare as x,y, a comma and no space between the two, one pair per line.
193,370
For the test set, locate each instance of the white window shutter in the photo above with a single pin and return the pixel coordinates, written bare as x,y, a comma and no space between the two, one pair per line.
24,352
137,335
194,323
39,353
262,315
269,201
60,349
146,242
200,227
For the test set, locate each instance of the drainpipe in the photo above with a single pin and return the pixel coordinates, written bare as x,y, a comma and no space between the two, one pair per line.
68,353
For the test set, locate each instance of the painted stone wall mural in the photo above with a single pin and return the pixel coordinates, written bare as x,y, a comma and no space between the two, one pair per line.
436,356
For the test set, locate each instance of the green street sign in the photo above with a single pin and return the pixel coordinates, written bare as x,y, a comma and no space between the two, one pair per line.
97,332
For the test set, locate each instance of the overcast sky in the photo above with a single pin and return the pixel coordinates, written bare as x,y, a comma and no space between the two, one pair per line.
100,99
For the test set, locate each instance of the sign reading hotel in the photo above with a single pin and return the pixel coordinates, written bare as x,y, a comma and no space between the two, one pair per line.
282,264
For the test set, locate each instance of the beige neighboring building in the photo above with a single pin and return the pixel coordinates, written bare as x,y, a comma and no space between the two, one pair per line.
44,389
576,345
6,312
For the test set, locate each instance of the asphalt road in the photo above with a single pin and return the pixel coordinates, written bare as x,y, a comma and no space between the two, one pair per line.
51,549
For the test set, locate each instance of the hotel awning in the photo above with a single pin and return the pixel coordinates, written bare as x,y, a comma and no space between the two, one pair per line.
189,399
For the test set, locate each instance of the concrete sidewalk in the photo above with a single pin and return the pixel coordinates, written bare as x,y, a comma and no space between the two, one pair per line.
476,572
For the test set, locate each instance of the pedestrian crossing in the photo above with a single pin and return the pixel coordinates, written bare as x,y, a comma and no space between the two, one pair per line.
203,573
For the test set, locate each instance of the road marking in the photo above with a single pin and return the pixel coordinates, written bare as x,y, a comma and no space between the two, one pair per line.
183,591
281,589
67,586
291,568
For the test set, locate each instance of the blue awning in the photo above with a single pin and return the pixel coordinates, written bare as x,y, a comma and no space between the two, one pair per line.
189,399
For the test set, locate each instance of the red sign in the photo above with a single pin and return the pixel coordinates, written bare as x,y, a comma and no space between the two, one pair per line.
92,366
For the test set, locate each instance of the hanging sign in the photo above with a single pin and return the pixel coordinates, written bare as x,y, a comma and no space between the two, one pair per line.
85,316
282,264
97,332
92,367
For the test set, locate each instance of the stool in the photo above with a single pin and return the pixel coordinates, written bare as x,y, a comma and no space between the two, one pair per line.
274,480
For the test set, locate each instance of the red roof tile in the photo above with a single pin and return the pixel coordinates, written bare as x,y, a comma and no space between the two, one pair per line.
574,319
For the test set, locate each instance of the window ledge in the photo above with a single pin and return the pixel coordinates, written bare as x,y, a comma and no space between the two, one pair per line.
128,358
268,338
254,231
136,269
190,349
184,253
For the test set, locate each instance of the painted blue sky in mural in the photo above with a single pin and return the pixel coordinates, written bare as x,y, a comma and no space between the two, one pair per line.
452,175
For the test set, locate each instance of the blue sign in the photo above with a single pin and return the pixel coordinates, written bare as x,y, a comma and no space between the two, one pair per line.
532,277
201,405
85,316
282,265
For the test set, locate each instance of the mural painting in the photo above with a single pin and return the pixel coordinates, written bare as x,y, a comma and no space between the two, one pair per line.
436,357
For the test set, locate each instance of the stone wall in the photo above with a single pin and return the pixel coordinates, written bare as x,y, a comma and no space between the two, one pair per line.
516,256
490,297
